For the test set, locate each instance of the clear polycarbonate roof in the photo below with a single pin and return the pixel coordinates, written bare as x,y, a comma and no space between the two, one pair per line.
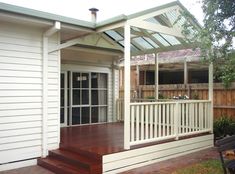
145,41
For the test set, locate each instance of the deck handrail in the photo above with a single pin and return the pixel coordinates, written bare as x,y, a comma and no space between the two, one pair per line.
155,121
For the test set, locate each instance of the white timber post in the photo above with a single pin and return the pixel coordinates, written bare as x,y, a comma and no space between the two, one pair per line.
46,35
185,72
127,73
176,120
156,77
137,81
114,91
210,95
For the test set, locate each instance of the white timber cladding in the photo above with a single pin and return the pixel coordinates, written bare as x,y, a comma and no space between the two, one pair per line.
21,93
100,69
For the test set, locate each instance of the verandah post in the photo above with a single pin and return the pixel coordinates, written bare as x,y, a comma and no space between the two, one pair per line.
210,96
127,86
156,77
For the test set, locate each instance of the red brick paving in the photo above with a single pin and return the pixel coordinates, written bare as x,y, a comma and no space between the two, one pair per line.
164,167
28,170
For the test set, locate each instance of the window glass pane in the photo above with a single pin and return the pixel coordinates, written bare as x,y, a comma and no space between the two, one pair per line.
85,115
94,115
68,117
68,97
94,97
76,116
103,114
150,77
76,80
94,80
85,80
102,81
76,97
62,80
68,78
61,115
62,97
102,97
85,97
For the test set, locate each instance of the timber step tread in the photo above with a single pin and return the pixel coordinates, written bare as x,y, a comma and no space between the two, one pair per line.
60,167
76,159
86,153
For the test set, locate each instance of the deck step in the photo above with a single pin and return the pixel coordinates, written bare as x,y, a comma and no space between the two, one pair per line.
93,165
60,167
80,151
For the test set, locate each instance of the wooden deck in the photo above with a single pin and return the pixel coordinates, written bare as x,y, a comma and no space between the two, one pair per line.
94,149
102,139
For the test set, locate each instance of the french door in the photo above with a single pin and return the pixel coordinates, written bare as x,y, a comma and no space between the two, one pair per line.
83,98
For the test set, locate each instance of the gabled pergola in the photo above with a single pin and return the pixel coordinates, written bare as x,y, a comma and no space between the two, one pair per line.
152,31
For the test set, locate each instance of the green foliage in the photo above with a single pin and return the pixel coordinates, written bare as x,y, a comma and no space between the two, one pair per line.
224,126
216,38
150,97
161,96
205,167
195,95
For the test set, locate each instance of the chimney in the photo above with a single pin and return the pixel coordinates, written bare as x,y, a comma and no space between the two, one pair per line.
93,14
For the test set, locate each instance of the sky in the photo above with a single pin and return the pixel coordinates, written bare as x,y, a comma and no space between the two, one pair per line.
107,8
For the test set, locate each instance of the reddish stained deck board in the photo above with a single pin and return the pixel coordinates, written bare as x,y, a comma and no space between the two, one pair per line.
101,139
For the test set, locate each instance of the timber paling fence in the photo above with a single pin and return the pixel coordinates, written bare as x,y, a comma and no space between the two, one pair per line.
224,99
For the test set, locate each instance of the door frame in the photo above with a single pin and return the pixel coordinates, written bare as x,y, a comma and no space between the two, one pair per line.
65,99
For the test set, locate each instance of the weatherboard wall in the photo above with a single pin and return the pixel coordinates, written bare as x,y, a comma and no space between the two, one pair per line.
21,93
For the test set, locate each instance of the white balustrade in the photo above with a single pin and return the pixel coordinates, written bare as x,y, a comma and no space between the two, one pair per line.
156,121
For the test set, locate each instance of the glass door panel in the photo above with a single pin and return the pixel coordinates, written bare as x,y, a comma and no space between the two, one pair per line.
76,116
88,98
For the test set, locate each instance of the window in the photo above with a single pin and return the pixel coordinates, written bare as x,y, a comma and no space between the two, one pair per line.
198,76
147,77
83,98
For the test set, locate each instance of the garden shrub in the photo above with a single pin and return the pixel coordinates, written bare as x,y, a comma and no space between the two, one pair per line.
224,126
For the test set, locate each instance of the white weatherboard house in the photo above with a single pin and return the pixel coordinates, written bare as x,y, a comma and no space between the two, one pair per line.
59,93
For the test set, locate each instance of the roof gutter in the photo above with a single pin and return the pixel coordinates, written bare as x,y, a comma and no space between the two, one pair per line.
44,15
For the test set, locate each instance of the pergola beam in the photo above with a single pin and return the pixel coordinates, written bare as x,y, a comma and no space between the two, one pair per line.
96,51
157,28
110,27
161,49
89,40
155,13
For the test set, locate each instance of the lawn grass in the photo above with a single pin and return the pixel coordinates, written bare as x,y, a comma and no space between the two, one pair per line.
205,167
